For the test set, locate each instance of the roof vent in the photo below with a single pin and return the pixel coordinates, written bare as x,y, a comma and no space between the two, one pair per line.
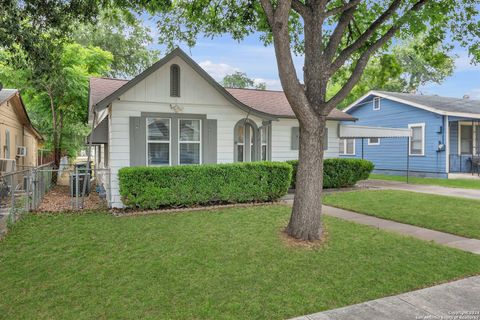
466,97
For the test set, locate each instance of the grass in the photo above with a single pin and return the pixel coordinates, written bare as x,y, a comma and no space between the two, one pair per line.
225,264
452,183
448,214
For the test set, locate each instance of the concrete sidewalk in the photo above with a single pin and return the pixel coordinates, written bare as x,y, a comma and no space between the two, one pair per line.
444,191
446,239
454,300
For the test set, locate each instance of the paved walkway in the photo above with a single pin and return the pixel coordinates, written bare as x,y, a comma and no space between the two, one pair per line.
446,239
445,191
455,300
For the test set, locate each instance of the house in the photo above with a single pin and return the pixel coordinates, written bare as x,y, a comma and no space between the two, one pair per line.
19,140
174,113
445,133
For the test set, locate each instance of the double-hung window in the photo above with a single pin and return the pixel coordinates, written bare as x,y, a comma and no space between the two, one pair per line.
189,141
466,139
417,140
347,147
158,142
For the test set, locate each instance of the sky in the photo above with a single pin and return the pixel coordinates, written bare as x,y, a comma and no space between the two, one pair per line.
222,55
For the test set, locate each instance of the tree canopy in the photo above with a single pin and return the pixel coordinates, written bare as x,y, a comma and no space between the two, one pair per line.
241,80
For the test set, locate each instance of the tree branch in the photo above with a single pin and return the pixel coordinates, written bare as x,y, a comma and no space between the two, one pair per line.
337,35
362,39
363,60
300,8
341,9
268,9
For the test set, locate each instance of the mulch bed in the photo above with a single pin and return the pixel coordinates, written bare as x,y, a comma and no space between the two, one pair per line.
59,200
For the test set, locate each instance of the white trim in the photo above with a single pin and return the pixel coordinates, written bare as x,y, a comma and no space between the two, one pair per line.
373,143
416,125
447,145
159,142
413,104
466,123
374,101
199,142
343,152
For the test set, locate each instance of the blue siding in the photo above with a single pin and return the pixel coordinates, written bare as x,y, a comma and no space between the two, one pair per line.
391,154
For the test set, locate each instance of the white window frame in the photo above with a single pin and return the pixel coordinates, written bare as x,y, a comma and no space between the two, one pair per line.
376,106
370,143
157,141
264,130
474,136
199,142
416,125
344,151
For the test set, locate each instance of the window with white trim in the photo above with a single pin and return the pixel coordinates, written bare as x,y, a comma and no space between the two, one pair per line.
417,140
158,141
347,147
189,141
376,103
373,141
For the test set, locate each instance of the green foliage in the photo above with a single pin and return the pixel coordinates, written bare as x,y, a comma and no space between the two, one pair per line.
178,186
339,172
404,68
241,80
123,35
57,100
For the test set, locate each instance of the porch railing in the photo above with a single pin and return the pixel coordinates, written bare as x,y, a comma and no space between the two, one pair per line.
461,163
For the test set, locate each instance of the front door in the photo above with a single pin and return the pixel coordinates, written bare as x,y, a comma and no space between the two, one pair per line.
245,140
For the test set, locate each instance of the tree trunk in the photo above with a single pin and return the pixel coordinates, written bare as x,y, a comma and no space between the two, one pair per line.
305,221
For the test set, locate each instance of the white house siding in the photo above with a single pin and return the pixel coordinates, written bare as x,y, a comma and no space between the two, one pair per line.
282,136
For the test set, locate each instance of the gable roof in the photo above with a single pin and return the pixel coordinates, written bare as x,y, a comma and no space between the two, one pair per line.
19,107
266,104
436,104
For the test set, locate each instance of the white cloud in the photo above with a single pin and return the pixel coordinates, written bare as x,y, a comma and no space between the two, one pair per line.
272,84
463,62
217,70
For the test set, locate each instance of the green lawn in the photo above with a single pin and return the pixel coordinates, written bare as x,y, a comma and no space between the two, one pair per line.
225,264
448,214
453,183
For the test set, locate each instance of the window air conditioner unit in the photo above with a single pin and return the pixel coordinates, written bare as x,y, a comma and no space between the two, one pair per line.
7,165
21,151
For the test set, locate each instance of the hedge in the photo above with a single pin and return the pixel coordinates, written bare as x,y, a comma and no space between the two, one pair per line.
190,185
339,172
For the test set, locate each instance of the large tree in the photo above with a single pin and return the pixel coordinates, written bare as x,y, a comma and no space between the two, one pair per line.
331,35
241,80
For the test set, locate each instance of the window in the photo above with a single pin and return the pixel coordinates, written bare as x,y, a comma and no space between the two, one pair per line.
373,141
189,140
347,147
7,144
376,103
158,142
264,142
417,140
466,139
174,80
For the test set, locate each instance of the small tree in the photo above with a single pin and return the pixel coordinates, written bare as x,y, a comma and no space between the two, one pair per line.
331,35
241,80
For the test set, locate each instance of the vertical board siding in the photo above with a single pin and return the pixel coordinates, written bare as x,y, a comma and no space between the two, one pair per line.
391,154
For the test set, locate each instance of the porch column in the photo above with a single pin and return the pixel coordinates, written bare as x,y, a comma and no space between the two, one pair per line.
447,145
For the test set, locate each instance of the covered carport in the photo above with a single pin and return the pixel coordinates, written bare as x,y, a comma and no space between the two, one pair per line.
366,132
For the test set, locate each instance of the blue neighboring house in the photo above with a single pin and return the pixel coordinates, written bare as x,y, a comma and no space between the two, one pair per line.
445,133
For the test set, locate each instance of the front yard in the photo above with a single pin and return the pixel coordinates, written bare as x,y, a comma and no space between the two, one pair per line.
448,214
222,264
451,183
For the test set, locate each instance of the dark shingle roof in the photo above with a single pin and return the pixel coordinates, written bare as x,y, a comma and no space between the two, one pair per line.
440,103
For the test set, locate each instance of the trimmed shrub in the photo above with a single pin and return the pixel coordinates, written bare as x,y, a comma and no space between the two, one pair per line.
339,172
190,185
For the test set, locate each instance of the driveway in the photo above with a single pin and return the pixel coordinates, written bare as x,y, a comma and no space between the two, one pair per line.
444,191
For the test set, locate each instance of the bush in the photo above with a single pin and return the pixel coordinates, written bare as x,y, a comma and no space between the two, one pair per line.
180,186
339,172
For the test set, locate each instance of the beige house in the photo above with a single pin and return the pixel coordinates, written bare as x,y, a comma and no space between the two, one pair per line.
19,140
